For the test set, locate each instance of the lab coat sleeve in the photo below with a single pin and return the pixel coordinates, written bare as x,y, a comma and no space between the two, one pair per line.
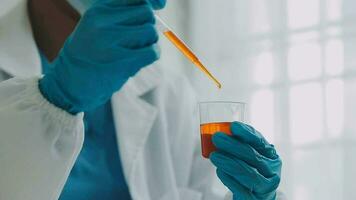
39,142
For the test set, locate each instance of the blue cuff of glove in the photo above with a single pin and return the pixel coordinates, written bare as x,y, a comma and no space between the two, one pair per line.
52,92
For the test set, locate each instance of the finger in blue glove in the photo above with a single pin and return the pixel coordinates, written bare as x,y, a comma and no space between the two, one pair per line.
246,163
235,187
112,42
239,191
251,136
158,4
242,151
244,174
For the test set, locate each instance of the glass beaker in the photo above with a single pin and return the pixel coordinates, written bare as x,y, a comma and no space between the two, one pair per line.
216,116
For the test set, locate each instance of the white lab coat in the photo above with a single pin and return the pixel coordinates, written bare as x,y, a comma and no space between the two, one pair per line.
155,118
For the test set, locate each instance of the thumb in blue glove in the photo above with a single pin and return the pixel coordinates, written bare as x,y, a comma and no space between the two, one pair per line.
246,163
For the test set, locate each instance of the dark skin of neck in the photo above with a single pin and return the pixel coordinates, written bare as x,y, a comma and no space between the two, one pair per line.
52,22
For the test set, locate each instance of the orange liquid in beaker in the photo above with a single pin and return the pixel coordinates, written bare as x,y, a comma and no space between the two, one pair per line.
207,131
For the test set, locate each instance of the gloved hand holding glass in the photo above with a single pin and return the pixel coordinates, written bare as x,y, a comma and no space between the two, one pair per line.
112,42
246,163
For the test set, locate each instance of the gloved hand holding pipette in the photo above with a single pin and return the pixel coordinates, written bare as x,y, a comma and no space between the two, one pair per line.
113,41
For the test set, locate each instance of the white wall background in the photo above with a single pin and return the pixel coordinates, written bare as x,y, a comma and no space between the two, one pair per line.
294,63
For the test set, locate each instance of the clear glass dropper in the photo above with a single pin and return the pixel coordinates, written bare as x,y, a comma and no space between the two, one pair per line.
172,37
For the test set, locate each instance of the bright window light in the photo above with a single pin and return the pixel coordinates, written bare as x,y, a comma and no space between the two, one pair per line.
306,113
335,107
348,8
262,113
263,67
304,37
349,54
304,61
333,9
334,31
302,192
334,57
303,13
259,16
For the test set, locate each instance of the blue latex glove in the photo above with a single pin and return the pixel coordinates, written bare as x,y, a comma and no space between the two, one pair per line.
246,163
112,42
83,5
158,4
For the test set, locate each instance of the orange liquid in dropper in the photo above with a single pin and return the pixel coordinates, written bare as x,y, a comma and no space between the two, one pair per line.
207,131
190,55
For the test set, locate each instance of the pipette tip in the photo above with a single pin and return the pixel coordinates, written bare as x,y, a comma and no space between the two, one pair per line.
217,83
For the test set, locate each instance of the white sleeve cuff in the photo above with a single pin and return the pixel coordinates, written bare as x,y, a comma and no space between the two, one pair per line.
39,142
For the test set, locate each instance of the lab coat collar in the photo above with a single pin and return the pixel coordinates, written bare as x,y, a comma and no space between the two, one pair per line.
134,117
18,51
147,79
